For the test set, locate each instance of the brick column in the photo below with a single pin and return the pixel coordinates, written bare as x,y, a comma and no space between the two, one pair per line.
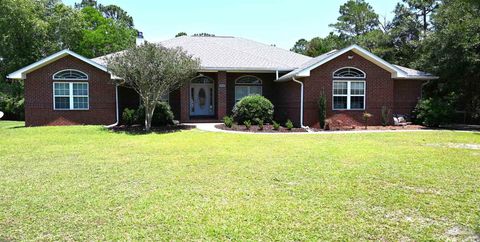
185,103
222,94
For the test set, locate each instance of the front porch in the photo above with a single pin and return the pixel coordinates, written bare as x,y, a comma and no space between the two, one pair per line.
212,95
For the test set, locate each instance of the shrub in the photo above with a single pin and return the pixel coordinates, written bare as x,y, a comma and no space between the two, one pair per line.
228,121
435,111
322,109
366,116
163,115
276,126
260,124
12,101
385,115
253,108
289,124
328,122
247,124
129,116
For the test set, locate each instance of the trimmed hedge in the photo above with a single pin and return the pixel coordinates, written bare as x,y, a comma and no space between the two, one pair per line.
254,108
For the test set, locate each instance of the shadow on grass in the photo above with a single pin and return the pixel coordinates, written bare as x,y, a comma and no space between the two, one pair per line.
17,127
140,130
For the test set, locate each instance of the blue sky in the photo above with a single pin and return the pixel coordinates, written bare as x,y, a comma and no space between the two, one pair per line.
280,22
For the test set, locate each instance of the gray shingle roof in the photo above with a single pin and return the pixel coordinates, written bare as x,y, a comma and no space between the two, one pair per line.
237,53
414,73
233,53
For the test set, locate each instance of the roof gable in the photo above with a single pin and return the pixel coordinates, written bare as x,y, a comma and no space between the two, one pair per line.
396,71
21,74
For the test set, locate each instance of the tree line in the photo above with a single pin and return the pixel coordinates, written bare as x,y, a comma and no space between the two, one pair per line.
438,36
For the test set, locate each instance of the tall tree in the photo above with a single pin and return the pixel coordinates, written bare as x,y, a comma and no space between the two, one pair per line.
452,52
153,71
102,36
180,34
117,14
319,45
86,3
300,47
357,17
422,9
204,35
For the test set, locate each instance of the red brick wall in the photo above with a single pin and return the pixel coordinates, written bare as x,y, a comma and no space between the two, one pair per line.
287,102
379,91
406,95
39,96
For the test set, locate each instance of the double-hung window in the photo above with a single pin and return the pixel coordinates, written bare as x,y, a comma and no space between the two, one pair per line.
70,95
349,89
247,85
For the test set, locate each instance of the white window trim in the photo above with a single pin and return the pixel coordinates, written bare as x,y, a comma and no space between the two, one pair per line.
249,92
248,85
71,97
349,95
349,78
70,79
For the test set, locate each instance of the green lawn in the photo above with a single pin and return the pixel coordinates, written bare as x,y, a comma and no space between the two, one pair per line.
86,183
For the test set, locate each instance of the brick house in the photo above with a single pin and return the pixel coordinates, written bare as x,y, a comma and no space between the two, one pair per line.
68,89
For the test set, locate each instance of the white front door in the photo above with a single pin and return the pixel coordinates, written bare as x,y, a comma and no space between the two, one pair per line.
202,99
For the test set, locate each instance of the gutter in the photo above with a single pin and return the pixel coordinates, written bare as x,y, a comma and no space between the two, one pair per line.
117,113
301,102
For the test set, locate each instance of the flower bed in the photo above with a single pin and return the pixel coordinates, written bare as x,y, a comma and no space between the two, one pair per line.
267,128
360,128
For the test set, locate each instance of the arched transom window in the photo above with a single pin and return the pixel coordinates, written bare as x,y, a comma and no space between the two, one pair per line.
349,73
349,89
247,85
202,80
70,75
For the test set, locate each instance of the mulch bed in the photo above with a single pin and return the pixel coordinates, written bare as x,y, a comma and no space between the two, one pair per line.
140,129
267,128
360,128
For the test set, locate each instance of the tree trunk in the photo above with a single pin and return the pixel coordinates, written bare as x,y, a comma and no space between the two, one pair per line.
148,117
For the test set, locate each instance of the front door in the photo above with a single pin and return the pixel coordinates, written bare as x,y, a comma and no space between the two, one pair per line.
201,99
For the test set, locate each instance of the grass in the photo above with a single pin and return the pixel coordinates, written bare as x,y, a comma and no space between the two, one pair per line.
86,183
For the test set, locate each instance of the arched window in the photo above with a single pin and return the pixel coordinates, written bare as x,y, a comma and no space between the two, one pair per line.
70,75
349,73
71,91
247,85
349,89
202,80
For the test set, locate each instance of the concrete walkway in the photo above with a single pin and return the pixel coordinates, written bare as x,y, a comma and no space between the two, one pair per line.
210,127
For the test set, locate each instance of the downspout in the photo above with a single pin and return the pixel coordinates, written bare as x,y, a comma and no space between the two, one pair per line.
117,115
301,102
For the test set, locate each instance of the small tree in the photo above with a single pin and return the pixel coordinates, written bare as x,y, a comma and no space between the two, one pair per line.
152,71
322,109
366,116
